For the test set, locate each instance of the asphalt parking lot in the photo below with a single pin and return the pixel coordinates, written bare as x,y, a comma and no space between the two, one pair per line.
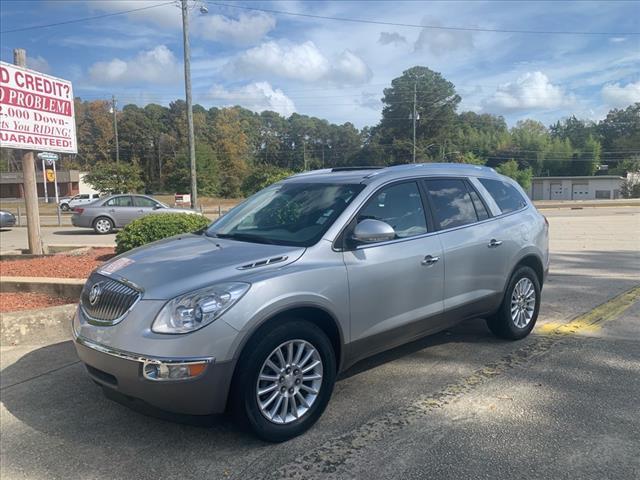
461,404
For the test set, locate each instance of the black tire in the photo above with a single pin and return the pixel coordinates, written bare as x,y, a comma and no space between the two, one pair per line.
103,220
64,207
501,323
243,400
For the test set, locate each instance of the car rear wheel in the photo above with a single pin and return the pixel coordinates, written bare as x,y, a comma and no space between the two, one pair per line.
284,380
103,225
519,310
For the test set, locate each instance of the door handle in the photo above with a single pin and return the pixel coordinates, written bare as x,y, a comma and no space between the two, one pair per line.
113,210
429,260
494,243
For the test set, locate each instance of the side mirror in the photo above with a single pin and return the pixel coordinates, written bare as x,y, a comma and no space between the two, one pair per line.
157,207
372,231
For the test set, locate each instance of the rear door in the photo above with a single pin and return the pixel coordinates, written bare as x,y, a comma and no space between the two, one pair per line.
121,209
471,242
394,286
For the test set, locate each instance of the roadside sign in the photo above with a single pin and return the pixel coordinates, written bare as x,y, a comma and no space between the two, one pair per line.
36,111
48,156
51,177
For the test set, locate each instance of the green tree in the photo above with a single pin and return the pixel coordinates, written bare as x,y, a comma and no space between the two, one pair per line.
522,176
262,176
109,177
436,103
233,151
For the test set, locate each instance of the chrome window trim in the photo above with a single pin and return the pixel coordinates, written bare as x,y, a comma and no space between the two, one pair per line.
135,357
428,234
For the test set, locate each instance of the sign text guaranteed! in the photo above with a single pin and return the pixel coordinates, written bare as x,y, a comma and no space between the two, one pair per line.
36,111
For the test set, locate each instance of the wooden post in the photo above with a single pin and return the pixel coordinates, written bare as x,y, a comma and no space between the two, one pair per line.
29,181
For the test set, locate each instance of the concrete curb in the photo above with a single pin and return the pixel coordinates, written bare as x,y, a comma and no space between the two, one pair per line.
57,287
34,327
544,204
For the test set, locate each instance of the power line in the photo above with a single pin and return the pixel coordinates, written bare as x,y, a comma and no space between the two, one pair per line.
411,25
85,19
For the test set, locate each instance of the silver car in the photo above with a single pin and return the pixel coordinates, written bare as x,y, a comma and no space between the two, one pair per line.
117,211
7,219
260,312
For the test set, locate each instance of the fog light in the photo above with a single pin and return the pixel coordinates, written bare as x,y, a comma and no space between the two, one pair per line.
173,371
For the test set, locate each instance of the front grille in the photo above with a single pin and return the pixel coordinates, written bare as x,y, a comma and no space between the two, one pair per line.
105,300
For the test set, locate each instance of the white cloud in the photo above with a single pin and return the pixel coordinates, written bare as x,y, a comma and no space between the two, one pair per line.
157,65
39,64
442,42
302,61
246,30
387,38
617,39
533,90
616,95
256,96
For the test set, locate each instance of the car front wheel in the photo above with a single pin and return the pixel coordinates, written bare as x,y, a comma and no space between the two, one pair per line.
519,310
64,207
285,380
103,225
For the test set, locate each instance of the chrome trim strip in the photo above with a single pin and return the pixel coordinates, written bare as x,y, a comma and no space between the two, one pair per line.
135,357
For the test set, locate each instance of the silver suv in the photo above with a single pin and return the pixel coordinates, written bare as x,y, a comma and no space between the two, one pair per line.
258,313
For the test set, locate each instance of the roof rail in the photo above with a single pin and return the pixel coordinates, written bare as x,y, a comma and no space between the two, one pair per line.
349,169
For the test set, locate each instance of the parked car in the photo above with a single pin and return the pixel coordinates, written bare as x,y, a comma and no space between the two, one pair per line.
116,211
67,204
260,312
7,219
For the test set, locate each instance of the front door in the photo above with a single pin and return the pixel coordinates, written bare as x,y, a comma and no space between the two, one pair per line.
394,286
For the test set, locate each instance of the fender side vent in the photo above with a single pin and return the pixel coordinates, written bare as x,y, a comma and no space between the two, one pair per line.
262,263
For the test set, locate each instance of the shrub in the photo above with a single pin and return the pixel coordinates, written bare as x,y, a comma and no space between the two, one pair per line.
262,176
156,227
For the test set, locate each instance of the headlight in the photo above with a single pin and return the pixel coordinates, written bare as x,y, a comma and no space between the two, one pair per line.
194,310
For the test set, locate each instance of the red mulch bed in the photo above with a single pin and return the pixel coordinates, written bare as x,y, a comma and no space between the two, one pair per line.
61,265
12,302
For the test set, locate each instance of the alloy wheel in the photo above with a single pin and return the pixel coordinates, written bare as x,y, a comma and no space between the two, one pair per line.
289,381
523,302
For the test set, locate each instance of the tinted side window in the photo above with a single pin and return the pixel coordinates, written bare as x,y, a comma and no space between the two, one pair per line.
506,196
451,202
119,202
400,206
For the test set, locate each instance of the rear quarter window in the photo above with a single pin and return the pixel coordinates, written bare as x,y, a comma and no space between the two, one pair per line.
506,196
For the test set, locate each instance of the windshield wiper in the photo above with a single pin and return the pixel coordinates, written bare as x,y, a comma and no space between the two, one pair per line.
246,237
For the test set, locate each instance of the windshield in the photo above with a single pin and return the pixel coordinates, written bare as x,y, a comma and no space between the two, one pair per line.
286,214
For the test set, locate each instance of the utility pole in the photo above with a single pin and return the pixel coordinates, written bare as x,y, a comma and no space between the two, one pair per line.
415,88
29,181
304,154
114,110
187,87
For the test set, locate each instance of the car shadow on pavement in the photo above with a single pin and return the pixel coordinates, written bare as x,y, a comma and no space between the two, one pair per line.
81,231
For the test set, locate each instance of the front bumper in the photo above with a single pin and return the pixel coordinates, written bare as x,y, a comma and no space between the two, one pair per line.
122,372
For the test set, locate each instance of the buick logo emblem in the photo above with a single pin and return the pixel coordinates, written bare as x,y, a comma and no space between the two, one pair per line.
94,294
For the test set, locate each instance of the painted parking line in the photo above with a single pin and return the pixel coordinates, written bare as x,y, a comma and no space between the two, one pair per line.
336,457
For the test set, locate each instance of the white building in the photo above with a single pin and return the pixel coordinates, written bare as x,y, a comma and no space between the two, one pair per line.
576,188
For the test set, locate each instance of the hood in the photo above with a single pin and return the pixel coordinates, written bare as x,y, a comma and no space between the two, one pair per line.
184,263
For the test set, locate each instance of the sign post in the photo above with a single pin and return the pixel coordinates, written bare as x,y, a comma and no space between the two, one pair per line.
44,180
36,113
49,175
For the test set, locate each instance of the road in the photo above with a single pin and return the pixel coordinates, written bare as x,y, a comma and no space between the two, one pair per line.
16,238
460,404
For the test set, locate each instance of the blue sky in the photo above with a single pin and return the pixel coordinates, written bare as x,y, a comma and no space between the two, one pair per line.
337,70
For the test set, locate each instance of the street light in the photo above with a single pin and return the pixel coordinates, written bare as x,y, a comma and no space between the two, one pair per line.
184,7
